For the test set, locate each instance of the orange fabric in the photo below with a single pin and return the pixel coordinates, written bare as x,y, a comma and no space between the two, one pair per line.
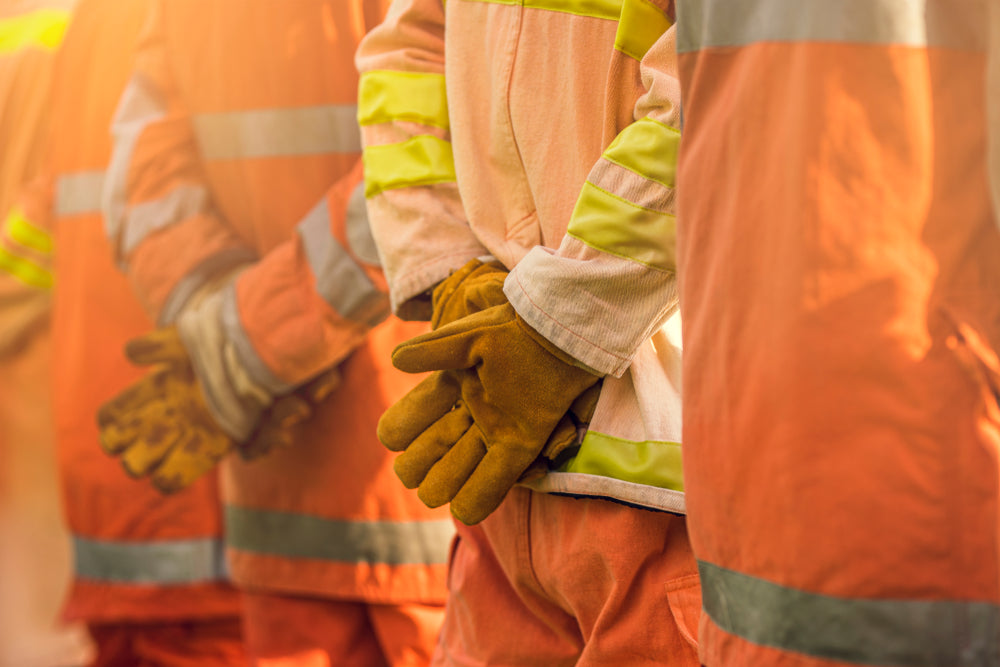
549,581
94,315
336,471
836,238
285,631
186,644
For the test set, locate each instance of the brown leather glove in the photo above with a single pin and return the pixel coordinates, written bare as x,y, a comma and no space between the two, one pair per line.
473,428
160,426
475,287
278,424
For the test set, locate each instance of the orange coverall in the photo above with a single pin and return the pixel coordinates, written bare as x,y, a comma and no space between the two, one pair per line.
840,279
148,575
235,142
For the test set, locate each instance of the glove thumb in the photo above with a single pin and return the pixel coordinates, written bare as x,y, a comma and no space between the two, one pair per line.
452,347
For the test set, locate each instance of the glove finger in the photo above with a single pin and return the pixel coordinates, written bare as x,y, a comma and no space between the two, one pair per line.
451,346
583,407
189,460
276,428
123,407
487,486
563,437
430,446
449,475
415,412
321,386
161,346
148,452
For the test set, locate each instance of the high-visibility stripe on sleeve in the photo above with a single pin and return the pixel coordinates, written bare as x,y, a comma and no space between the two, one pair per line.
40,29
247,353
142,220
163,562
25,270
615,225
341,282
648,148
296,131
897,632
422,160
140,106
21,231
386,97
917,23
641,24
22,246
79,193
343,541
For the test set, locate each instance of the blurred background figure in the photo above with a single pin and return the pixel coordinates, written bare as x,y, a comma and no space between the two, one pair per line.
148,576
34,548
232,203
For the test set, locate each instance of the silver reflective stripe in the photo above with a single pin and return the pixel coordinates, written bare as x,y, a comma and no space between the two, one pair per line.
896,633
139,107
167,562
918,23
278,132
221,262
359,230
79,193
298,536
251,361
339,279
141,220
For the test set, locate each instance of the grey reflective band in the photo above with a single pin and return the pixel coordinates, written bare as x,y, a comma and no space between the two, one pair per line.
341,282
278,132
140,106
299,536
705,24
359,230
166,562
79,193
245,351
888,633
141,220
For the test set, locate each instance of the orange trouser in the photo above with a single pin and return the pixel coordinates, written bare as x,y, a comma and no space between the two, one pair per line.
287,631
196,643
548,581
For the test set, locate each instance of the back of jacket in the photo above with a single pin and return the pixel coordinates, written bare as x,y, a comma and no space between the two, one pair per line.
138,554
236,140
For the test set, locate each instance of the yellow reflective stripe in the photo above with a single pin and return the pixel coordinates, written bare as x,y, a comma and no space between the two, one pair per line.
640,26
653,463
648,148
608,223
41,29
19,229
25,270
386,97
422,160
598,9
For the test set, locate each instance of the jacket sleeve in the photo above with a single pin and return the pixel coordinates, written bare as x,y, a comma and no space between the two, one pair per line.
302,307
416,213
26,278
611,283
157,206
312,299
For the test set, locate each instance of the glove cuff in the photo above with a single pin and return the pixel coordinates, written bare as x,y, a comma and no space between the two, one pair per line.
234,399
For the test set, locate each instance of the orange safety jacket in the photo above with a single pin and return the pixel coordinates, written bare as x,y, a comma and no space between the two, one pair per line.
840,280
138,555
236,140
